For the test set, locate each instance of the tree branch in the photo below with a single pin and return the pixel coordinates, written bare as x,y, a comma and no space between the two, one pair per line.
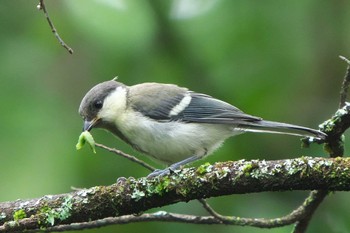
132,196
345,85
41,6
334,146
311,204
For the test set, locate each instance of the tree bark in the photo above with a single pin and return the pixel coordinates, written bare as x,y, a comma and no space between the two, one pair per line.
133,196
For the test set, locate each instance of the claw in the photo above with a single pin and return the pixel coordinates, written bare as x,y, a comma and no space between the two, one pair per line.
159,172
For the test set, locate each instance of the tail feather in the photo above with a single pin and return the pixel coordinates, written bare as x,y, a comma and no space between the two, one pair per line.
263,126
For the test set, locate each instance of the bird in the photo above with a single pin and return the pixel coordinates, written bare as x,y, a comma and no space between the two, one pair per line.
172,124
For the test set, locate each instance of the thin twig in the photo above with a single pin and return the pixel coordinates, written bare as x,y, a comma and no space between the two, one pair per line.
125,155
300,214
211,211
345,85
161,216
314,200
41,6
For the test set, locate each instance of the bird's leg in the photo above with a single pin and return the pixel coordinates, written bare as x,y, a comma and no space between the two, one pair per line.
173,167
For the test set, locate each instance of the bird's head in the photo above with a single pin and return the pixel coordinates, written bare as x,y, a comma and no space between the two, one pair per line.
101,104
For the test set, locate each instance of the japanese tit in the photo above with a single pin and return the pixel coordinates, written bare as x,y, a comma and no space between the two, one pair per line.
170,123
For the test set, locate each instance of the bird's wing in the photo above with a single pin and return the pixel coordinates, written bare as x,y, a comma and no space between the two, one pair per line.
166,102
206,109
155,100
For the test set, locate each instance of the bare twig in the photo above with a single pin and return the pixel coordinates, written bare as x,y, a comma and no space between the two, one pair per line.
160,216
211,211
300,213
125,155
41,6
345,85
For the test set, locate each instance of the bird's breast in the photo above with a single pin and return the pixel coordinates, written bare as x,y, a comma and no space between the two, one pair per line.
172,141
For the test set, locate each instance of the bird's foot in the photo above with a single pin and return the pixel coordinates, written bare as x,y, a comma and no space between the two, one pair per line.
173,167
159,172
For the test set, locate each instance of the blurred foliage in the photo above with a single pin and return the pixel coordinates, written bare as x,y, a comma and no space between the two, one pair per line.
275,59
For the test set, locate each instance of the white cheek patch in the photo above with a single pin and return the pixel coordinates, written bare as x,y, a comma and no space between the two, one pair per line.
113,104
181,106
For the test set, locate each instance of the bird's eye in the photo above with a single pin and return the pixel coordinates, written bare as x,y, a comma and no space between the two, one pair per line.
98,104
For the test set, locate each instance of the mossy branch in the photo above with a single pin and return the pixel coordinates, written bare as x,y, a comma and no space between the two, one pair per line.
133,196
334,127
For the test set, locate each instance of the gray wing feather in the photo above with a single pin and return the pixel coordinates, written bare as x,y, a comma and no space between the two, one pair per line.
156,101
203,108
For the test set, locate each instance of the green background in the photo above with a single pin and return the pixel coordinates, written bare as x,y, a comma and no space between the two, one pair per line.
275,59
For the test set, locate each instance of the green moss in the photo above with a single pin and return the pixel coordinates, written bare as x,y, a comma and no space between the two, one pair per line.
248,169
137,194
19,214
329,125
205,168
162,186
60,214
294,166
2,215
83,194
11,223
223,172
65,209
49,215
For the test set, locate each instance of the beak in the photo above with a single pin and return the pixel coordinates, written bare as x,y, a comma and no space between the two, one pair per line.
88,125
